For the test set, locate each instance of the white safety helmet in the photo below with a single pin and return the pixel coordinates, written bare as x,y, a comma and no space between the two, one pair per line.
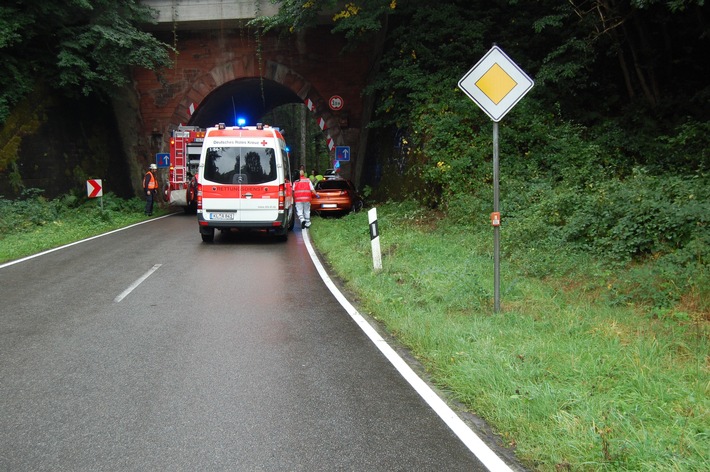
153,167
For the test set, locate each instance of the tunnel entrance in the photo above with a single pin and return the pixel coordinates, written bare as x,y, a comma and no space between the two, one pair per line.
248,98
258,100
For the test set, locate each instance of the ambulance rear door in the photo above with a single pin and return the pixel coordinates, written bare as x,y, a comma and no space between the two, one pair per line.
240,182
258,182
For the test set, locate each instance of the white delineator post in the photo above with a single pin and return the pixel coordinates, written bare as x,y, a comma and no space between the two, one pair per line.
375,239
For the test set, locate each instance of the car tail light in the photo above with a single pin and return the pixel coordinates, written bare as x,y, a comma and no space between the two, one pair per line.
282,196
199,196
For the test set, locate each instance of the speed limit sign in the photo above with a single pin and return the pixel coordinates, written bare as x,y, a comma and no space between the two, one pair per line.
336,102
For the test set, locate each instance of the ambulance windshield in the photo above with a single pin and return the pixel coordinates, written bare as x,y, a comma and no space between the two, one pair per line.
240,165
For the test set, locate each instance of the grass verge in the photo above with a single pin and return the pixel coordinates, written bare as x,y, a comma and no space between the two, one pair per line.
569,377
34,225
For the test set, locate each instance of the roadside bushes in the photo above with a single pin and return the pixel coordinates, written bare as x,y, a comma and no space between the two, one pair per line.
32,223
651,233
32,210
617,219
573,199
643,215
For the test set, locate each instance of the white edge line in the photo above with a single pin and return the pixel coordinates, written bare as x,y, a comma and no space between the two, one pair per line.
474,443
135,284
17,261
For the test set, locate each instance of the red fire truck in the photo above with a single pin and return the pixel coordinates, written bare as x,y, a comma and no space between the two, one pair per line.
185,147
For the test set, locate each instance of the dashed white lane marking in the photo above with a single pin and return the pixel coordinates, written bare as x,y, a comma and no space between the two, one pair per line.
135,284
474,443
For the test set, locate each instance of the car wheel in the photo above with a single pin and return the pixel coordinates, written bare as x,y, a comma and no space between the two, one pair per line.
207,235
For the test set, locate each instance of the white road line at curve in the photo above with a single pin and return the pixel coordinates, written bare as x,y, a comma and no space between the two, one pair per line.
489,458
135,284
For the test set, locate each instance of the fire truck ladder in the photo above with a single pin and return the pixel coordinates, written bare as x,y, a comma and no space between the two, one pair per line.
180,164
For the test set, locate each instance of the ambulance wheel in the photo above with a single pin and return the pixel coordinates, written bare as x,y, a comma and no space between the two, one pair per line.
208,235
190,208
281,235
292,220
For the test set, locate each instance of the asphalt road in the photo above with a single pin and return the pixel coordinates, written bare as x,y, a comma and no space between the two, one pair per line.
147,349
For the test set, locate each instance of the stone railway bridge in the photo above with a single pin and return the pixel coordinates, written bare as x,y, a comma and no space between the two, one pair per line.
223,69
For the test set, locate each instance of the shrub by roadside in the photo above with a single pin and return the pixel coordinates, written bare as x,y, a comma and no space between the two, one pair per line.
32,223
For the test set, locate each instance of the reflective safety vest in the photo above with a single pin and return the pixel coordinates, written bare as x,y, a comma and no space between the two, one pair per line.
302,190
152,182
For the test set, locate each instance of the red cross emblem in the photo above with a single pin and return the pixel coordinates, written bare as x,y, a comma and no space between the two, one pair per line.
263,143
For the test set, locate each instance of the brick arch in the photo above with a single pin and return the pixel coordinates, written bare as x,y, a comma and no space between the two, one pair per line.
274,71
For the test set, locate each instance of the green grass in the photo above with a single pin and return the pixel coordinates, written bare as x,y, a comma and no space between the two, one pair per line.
568,375
34,225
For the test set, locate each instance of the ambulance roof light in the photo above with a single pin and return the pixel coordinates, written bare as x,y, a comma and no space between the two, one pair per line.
260,126
220,126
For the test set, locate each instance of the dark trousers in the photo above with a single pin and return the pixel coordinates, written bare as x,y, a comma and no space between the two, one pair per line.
149,198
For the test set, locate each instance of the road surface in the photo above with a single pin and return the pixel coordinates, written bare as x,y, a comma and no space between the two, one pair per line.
146,349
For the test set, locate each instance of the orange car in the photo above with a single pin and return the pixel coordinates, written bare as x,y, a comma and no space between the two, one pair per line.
337,196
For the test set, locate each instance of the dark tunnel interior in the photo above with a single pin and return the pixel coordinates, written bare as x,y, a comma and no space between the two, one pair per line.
249,99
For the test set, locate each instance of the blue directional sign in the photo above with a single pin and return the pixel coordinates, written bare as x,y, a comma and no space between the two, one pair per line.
342,153
162,159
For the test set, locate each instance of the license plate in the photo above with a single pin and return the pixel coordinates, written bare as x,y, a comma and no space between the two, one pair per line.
222,216
329,205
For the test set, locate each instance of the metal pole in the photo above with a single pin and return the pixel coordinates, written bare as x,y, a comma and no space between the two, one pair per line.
303,140
496,229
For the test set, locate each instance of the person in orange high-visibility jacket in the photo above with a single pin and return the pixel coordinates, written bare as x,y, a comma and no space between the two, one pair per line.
302,192
150,187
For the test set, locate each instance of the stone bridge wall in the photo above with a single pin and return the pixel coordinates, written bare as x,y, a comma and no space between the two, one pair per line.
212,54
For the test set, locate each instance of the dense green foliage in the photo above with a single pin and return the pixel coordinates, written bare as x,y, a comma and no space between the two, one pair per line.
570,378
607,155
76,46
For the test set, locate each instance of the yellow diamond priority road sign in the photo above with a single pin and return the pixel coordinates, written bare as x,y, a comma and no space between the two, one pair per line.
496,83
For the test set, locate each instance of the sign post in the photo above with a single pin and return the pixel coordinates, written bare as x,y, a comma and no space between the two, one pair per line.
496,228
496,84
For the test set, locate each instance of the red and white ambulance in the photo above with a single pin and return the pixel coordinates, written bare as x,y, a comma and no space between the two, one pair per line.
244,181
